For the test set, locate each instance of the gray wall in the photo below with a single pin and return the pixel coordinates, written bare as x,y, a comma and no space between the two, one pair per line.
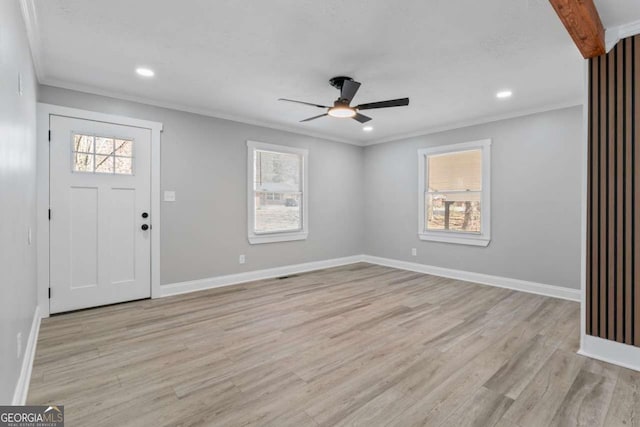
536,193
204,161
17,194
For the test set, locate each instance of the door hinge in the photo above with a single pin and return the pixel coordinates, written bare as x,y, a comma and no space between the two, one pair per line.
49,293
49,135
49,214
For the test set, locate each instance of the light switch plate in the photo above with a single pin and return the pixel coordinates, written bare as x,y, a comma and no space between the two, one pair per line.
169,196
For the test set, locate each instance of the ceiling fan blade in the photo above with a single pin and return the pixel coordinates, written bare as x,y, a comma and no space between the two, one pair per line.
361,118
349,89
384,104
313,118
302,102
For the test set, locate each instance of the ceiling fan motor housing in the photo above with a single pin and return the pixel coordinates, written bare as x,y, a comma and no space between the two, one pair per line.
338,81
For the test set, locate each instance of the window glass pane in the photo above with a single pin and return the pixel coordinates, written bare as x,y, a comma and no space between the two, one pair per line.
102,155
461,171
104,164
277,212
104,145
124,148
278,197
277,172
123,166
458,211
83,143
82,162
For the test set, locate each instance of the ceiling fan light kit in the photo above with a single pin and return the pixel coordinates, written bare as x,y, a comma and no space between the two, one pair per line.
341,107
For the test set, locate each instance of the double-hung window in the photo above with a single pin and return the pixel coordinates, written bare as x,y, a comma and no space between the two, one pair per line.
277,193
454,185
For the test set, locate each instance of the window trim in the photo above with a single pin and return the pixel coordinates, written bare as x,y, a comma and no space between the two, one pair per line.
277,236
458,237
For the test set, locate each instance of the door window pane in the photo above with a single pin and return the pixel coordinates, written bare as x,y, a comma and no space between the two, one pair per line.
96,154
104,145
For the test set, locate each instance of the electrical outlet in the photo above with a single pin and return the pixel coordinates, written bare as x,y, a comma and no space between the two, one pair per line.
414,252
241,259
19,344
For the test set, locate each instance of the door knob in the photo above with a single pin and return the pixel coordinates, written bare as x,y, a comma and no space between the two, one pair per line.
144,227
145,215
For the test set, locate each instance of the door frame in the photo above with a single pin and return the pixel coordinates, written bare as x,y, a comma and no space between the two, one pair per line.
44,111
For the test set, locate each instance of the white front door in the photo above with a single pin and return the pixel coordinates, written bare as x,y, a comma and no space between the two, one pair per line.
100,199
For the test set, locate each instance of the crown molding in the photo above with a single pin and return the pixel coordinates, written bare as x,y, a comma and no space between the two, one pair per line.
33,34
194,110
475,122
28,9
614,34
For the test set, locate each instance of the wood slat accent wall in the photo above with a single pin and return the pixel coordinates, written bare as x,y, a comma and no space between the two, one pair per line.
613,206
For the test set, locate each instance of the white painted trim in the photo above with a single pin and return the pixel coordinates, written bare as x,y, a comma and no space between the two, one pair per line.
455,238
302,234
44,111
220,115
194,110
614,34
30,18
22,386
479,278
250,276
475,122
613,352
484,237
483,279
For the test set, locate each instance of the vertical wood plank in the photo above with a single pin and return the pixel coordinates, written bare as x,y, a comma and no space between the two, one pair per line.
628,195
611,191
595,202
635,324
602,291
590,173
619,219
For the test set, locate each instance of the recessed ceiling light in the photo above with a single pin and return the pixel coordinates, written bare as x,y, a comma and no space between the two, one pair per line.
145,72
367,128
504,94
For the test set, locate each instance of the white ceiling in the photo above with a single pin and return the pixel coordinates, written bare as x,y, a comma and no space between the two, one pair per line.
235,58
614,13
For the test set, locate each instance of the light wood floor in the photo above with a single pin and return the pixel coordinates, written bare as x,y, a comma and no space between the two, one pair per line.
355,345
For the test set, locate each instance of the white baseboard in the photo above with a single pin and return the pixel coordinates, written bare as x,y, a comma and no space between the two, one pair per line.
483,279
613,352
22,387
250,276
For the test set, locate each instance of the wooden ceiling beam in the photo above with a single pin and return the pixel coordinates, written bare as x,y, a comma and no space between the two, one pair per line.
582,21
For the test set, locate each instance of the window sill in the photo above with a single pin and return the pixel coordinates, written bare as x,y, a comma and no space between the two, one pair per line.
460,239
258,239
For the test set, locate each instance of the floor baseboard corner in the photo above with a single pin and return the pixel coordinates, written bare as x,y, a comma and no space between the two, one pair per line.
483,279
22,386
612,352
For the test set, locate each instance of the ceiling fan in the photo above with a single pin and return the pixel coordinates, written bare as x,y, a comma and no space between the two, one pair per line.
341,108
